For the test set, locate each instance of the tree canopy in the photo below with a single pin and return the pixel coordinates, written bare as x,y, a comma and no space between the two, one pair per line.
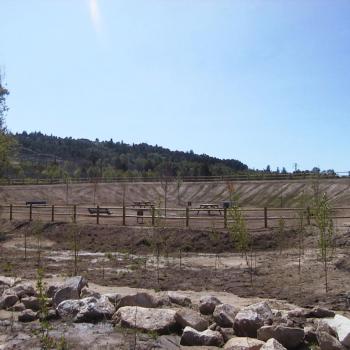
51,156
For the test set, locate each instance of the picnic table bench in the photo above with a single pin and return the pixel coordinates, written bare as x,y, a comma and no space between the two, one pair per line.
32,203
209,207
102,211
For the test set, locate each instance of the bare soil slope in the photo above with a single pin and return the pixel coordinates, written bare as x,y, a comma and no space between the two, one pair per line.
251,193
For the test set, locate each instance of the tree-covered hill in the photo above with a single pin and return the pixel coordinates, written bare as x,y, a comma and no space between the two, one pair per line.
40,155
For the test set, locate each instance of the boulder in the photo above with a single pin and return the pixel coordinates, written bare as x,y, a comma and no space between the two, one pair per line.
298,313
70,290
140,299
22,290
328,342
32,303
319,312
179,299
224,315
89,309
272,344
289,337
86,292
113,297
18,307
208,337
341,326
8,282
251,318
310,334
167,342
227,333
191,318
51,290
51,315
207,304
27,316
146,319
243,343
8,300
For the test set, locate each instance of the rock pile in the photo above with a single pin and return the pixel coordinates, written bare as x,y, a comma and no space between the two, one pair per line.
211,323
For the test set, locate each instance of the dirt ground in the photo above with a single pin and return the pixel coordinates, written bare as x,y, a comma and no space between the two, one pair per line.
178,259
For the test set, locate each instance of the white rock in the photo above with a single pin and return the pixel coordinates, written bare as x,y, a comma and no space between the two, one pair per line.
89,309
208,337
341,326
243,343
140,299
179,299
191,318
147,319
251,318
224,315
272,344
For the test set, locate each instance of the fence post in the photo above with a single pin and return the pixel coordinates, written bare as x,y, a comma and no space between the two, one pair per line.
153,214
265,216
308,216
225,217
52,213
98,215
124,221
11,211
30,212
187,216
74,213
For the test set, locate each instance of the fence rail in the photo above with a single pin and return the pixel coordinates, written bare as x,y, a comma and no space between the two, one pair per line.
234,177
163,217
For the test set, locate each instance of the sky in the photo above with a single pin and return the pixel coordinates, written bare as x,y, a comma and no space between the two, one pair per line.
262,81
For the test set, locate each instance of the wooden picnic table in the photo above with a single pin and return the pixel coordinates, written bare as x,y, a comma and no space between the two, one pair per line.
209,207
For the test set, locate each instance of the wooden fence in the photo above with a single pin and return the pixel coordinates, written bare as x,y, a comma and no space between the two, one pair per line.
234,177
163,217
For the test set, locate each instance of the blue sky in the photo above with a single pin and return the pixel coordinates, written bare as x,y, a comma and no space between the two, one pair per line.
265,82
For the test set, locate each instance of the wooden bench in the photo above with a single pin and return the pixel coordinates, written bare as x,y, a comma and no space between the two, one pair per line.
103,211
143,204
209,207
35,203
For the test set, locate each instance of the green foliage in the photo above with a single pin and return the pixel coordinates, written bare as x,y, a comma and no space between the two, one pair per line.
50,156
237,224
7,143
322,213
325,225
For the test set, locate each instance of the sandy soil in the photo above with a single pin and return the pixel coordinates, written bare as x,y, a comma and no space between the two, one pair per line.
189,260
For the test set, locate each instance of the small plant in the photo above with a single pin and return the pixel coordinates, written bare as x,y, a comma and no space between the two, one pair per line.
37,232
238,230
75,236
7,267
214,237
280,233
325,225
237,224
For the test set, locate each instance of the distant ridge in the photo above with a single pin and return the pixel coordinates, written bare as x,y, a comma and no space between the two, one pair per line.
41,155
